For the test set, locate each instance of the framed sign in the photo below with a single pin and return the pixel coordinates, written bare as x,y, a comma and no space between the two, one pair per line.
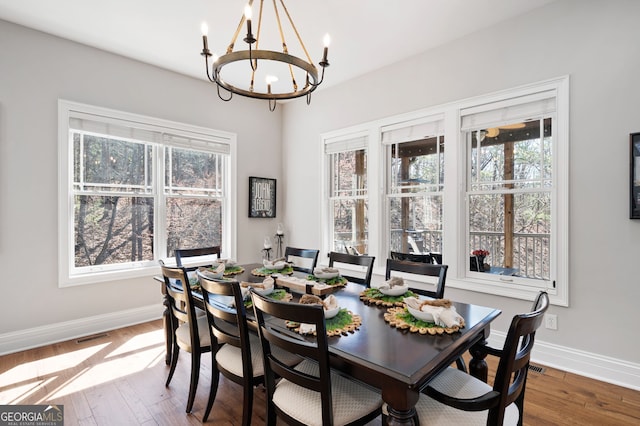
262,197
634,179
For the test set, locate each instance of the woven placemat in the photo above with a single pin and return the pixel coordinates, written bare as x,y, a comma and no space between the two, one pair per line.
400,318
332,329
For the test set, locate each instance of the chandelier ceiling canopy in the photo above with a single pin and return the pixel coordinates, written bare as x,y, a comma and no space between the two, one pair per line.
256,71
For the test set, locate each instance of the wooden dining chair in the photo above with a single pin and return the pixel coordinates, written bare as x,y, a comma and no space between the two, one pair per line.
236,351
350,259
299,253
455,397
190,331
310,393
411,257
194,257
419,268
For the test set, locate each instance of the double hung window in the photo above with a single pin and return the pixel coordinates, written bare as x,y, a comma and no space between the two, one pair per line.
133,189
348,197
415,167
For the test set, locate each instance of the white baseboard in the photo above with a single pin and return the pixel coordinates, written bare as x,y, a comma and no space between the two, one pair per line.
59,332
595,366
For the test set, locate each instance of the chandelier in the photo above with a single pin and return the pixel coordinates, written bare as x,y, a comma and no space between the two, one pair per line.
243,72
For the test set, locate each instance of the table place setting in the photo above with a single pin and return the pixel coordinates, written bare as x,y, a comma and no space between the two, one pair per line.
390,293
432,317
338,321
265,288
271,267
327,275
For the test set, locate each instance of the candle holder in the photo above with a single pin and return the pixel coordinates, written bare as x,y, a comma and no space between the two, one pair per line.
267,248
266,253
279,238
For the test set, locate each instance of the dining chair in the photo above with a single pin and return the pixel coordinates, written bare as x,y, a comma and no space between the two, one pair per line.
194,257
419,268
190,331
236,352
412,257
350,259
299,253
310,393
455,397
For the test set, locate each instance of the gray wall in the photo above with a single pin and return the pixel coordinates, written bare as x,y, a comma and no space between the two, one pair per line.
35,71
596,43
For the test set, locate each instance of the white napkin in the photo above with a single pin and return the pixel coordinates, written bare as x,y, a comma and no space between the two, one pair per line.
444,317
307,328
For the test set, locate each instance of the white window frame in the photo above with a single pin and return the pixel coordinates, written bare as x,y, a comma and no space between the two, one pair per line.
454,206
189,136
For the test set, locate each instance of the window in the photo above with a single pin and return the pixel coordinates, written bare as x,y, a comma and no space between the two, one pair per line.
348,197
415,167
133,189
504,159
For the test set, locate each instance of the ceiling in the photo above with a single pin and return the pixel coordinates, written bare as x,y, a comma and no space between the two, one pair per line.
365,34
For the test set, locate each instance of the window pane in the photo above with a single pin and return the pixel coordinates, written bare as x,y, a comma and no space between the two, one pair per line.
418,165
510,197
112,229
348,202
349,173
350,225
109,164
523,244
190,172
416,224
193,222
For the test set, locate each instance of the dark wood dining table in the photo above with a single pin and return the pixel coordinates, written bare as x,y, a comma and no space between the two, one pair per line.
398,362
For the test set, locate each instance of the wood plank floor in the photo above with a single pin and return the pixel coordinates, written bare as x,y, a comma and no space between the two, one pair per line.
118,379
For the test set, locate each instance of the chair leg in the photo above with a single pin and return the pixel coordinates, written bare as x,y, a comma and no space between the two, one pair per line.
195,375
174,362
247,404
213,390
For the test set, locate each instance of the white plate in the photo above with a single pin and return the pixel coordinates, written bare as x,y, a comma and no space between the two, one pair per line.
319,273
264,291
330,313
397,290
421,315
276,266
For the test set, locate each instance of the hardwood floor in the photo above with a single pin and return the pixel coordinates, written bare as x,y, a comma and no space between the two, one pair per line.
118,379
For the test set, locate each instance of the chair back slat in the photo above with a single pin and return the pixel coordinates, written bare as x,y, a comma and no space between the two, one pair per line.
360,260
418,268
412,257
310,254
192,258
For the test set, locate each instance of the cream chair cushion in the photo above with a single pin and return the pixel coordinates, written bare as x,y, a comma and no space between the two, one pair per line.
183,338
459,384
351,400
230,358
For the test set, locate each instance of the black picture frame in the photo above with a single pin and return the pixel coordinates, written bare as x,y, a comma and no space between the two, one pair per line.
262,197
634,176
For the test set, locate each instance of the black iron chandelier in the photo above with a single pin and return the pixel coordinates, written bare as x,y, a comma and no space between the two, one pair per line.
241,72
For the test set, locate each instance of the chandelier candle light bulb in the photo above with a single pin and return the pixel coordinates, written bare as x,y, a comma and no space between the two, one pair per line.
247,15
205,29
327,42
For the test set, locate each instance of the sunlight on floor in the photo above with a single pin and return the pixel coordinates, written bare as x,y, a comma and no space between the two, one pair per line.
99,363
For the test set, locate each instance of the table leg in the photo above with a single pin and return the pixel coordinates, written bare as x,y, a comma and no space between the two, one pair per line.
397,417
478,366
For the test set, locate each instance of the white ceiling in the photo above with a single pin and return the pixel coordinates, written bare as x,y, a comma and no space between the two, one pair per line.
366,34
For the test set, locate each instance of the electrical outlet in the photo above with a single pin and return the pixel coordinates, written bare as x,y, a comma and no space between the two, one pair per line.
551,321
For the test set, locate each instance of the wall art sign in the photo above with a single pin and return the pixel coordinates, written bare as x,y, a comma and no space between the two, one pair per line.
262,197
